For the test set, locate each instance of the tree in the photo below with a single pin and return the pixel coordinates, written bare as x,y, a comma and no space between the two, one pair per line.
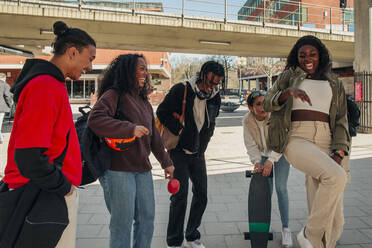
184,67
270,66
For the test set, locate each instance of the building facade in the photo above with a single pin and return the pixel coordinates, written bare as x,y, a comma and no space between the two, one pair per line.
323,14
81,91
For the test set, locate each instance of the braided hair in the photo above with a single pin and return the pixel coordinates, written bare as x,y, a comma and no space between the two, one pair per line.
210,66
121,76
69,37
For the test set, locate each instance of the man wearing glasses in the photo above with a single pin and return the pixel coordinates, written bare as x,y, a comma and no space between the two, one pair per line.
202,107
255,131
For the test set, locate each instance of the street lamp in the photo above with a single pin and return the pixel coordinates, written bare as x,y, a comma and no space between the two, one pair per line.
240,62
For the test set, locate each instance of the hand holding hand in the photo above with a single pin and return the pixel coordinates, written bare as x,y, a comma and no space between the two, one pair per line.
267,168
168,172
257,168
139,131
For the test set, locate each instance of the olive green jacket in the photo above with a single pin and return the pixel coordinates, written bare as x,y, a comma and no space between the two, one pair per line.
280,120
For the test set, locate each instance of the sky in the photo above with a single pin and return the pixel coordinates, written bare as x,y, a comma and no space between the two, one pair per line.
208,8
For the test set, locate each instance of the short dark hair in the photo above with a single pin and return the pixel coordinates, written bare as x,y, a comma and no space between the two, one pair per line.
121,76
324,60
254,95
69,37
211,66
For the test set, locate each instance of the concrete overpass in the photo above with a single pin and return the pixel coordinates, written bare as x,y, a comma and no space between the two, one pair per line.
29,24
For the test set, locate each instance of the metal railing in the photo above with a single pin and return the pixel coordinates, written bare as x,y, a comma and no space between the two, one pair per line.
279,13
363,97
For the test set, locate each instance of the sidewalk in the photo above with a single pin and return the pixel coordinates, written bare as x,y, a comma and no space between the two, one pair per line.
226,216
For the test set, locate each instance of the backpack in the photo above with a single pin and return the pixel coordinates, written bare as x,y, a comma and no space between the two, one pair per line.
95,153
353,115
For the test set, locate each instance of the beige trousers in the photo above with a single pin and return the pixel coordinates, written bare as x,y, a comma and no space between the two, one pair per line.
68,238
308,150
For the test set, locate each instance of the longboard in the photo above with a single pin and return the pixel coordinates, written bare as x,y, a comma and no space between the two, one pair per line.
259,210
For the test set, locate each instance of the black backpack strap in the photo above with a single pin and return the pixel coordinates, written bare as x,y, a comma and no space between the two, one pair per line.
58,161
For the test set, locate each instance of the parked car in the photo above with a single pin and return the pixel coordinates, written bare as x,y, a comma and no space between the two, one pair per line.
229,106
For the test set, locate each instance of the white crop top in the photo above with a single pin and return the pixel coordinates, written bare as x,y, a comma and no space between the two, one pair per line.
320,94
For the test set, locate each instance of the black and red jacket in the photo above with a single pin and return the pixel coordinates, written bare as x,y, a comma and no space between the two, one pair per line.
43,127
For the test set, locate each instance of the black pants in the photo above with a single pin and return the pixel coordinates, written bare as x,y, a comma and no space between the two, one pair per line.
193,167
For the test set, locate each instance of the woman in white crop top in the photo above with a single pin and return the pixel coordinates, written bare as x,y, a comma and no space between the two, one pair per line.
310,101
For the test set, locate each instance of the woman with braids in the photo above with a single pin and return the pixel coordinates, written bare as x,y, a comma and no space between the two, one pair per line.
309,125
43,129
202,107
127,186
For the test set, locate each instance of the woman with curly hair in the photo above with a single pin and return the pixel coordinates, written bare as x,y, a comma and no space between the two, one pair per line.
309,125
127,185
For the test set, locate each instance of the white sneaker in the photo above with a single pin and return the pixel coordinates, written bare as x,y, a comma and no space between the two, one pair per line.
195,244
302,241
286,237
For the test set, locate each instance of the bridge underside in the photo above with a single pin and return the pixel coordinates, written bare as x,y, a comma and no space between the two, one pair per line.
21,25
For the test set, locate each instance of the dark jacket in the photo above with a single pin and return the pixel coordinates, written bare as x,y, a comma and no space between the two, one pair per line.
190,138
134,111
32,162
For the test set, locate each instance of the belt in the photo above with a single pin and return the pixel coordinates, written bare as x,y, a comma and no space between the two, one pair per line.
309,115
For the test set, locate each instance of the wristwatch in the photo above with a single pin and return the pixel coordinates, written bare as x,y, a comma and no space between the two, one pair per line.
339,153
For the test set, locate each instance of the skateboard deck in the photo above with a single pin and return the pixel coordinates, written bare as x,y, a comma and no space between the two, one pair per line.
259,210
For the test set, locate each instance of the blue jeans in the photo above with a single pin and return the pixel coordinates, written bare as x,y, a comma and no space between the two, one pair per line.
281,172
129,196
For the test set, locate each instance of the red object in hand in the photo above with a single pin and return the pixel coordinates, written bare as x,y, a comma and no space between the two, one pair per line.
173,186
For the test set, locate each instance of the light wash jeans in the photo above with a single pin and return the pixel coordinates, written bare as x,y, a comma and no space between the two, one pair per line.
129,196
281,172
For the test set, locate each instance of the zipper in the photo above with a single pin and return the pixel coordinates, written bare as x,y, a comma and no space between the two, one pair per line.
206,110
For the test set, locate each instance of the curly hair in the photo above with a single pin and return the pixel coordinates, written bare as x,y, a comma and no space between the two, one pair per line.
324,60
120,75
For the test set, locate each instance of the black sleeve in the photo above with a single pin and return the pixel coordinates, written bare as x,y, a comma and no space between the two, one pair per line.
171,103
34,165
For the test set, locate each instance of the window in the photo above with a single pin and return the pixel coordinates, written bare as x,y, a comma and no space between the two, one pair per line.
89,88
80,89
69,88
348,16
304,14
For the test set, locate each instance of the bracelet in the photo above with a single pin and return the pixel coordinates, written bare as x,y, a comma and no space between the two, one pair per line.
340,154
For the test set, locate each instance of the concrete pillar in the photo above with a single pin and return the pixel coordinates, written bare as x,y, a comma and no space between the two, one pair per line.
363,35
